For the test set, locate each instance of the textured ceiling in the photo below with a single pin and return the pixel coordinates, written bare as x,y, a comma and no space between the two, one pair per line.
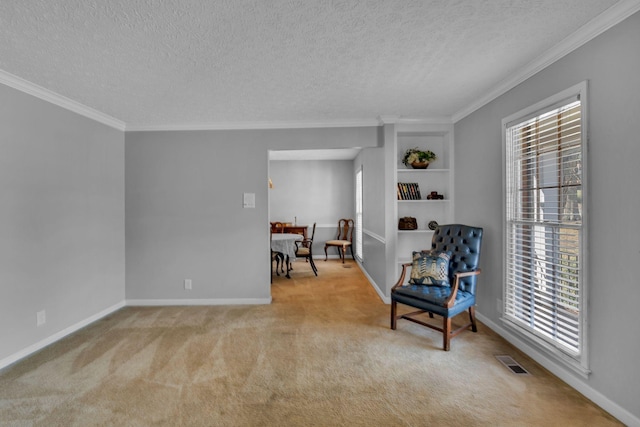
194,62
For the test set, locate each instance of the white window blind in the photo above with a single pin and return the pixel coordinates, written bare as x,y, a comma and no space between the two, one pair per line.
544,290
359,214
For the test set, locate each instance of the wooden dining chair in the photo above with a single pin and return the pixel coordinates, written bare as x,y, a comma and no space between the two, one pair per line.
278,257
277,227
304,249
343,240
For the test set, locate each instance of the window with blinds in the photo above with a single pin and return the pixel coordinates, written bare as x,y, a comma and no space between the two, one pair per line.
544,213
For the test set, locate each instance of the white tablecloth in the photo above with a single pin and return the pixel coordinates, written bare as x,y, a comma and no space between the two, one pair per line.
285,244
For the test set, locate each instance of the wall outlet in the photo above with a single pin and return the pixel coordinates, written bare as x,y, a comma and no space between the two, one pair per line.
188,285
41,318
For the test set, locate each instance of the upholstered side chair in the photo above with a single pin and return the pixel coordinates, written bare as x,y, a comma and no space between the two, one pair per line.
442,281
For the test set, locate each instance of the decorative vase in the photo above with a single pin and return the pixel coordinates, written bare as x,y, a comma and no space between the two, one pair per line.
420,165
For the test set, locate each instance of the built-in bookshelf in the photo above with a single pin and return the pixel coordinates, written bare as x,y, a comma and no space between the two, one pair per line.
425,194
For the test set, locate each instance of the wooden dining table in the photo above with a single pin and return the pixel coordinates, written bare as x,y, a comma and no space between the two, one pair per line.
290,228
285,243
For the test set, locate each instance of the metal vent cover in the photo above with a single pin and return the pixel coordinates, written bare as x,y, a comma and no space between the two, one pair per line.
511,364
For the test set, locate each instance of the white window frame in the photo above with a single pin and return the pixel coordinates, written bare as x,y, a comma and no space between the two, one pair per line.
577,360
359,201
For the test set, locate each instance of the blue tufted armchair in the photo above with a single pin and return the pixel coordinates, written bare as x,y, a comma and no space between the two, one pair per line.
442,280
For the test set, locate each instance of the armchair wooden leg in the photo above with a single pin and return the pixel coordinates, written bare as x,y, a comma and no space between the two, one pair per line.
343,253
313,265
472,317
394,307
446,333
325,253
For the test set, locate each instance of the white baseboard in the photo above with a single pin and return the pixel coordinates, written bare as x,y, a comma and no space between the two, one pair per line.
58,336
595,396
384,299
217,301
322,257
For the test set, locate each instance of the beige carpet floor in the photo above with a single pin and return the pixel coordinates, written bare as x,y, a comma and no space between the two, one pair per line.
321,354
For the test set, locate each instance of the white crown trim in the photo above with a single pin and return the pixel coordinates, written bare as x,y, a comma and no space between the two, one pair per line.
387,120
424,120
610,17
254,125
33,89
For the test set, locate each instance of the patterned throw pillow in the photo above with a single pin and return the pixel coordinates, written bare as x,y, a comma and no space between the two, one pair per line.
430,268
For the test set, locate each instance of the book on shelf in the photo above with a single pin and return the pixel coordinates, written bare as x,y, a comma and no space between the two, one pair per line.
409,191
412,191
404,195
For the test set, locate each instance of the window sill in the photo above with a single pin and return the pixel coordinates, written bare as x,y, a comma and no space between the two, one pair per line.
544,350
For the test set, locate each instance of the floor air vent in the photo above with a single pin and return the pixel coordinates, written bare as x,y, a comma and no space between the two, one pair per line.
512,365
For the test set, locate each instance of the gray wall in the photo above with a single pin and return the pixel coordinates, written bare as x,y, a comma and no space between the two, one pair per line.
61,222
373,218
320,191
184,214
610,63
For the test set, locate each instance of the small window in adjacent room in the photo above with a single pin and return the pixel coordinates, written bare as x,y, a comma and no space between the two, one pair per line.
359,214
545,233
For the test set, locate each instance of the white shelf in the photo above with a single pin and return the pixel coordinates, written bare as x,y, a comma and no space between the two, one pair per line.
423,170
438,201
418,231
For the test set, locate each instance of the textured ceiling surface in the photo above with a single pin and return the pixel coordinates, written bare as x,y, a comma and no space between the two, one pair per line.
186,62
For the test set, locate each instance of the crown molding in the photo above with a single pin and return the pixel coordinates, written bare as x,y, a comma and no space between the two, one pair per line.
389,119
607,19
612,16
33,89
424,120
254,125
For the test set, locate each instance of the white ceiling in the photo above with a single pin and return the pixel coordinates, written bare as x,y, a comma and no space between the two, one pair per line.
171,64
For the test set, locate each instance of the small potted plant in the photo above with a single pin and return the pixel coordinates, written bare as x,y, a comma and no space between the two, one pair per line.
417,158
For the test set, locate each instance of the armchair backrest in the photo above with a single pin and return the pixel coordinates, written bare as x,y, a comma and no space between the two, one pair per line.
464,243
345,229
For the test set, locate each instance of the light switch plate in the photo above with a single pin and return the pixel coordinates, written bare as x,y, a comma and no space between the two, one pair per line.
249,200
41,318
